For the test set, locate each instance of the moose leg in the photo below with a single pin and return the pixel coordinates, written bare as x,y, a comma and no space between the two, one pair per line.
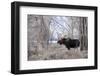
68,48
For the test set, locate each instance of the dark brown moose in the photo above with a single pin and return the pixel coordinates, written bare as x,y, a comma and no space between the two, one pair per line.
69,43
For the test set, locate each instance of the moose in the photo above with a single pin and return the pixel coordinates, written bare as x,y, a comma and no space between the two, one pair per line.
69,43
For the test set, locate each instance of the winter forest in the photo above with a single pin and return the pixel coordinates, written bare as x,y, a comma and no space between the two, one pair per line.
44,32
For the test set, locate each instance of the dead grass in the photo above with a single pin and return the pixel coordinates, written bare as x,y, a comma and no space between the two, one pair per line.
56,51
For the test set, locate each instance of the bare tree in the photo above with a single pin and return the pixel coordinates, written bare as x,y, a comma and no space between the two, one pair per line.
83,33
